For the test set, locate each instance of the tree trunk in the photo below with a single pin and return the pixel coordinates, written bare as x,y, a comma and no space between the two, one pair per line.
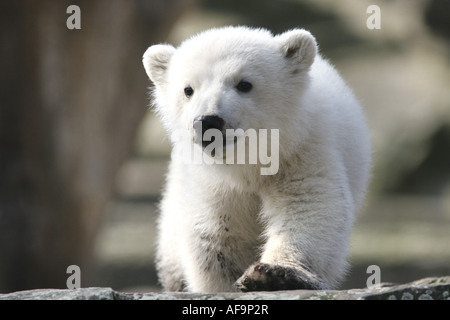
70,101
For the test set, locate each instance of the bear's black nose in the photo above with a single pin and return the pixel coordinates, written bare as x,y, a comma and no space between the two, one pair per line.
209,122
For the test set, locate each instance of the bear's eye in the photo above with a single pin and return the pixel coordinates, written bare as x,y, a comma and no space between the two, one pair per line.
244,86
188,91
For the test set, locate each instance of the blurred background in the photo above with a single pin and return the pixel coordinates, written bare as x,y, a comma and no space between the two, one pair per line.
82,157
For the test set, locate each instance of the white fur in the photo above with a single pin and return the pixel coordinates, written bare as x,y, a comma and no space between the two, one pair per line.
216,220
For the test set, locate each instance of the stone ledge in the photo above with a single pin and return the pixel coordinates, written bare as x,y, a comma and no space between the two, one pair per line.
437,288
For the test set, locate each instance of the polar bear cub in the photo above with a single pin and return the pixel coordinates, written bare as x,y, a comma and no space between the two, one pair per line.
227,227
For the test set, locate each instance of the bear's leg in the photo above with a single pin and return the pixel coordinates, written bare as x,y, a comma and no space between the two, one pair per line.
221,240
308,222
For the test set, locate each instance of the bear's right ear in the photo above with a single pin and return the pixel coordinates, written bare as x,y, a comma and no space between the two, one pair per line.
156,60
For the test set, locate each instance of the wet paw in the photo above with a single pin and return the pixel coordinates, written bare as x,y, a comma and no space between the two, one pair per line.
267,277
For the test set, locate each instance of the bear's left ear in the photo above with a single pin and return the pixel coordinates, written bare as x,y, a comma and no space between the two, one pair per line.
299,46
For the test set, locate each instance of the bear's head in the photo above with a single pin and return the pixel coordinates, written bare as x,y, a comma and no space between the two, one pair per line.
232,78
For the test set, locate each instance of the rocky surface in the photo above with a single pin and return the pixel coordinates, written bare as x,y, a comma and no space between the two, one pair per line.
437,288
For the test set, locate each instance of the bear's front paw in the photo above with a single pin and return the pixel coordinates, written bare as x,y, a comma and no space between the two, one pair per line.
267,277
